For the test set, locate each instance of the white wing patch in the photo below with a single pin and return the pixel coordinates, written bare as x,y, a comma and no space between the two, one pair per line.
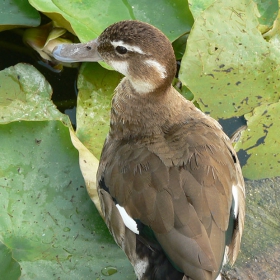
128,221
219,277
157,66
235,196
225,260
140,267
127,46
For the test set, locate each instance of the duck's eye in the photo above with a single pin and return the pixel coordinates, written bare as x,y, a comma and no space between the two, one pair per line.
121,49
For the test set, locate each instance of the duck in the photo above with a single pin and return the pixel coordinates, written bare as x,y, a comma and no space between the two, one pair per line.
169,181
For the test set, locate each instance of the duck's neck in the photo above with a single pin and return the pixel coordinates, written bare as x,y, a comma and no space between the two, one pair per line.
135,115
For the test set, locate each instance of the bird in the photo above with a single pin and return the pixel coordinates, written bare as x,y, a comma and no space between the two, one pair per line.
169,181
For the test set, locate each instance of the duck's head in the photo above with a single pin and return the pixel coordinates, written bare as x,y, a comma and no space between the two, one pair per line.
136,49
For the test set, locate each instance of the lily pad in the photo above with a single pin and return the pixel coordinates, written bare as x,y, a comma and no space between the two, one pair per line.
25,95
273,35
89,18
18,13
48,222
96,86
9,268
261,142
179,46
233,71
198,6
268,12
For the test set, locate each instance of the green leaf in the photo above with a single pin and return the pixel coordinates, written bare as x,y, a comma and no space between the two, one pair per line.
18,13
273,35
89,18
233,68
198,6
9,268
179,46
25,95
268,10
96,86
261,142
233,71
47,221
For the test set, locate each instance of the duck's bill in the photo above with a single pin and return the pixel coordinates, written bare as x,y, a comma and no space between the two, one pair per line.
77,52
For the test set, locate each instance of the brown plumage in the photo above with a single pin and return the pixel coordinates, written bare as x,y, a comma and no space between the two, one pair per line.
166,163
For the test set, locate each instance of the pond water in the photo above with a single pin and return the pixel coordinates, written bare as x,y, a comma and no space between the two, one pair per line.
260,252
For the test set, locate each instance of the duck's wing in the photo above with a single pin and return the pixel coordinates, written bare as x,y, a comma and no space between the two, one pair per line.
182,189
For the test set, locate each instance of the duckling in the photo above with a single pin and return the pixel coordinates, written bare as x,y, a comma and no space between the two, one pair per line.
169,181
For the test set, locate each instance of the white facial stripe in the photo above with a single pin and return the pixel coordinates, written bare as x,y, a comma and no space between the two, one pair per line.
157,66
120,66
235,196
128,221
127,46
139,85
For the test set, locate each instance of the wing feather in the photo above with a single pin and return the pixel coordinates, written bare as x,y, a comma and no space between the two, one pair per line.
180,188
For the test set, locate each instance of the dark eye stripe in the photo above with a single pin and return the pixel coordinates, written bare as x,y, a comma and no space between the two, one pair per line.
121,49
